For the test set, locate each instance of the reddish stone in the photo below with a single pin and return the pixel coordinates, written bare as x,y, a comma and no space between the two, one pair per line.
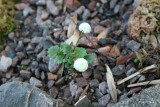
121,60
87,74
92,5
57,34
105,50
66,92
98,29
53,92
85,42
52,76
59,19
134,90
61,81
118,32
81,82
44,15
21,6
106,23
115,51
78,93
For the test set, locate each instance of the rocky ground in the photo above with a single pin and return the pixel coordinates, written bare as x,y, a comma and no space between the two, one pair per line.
43,23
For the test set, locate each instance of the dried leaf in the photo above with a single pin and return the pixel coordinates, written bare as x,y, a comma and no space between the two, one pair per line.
72,26
144,52
74,38
111,83
84,92
153,41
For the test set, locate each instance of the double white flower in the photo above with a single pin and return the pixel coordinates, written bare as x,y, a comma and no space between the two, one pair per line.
81,64
85,27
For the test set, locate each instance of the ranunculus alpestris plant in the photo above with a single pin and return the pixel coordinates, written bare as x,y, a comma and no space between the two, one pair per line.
72,57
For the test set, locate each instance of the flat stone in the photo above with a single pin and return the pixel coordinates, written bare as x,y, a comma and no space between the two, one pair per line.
34,81
87,74
103,87
52,8
21,94
133,45
52,76
94,83
98,29
118,70
103,101
5,63
105,50
81,82
52,66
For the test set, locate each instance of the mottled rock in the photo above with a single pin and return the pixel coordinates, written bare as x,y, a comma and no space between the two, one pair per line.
87,74
105,50
35,82
53,92
103,101
10,52
50,83
103,87
115,51
25,74
22,92
81,82
60,81
133,45
52,66
25,62
5,63
118,70
94,83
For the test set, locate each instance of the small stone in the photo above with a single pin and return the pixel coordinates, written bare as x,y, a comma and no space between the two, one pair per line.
59,19
118,70
105,50
78,93
53,92
98,29
36,40
131,71
86,14
96,61
117,8
92,5
103,87
113,3
102,42
5,63
20,46
87,74
43,76
67,92
85,42
34,66
135,4
30,47
25,62
94,83
35,82
57,34
52,76
10,52
44,15
122,59
97,75
52,8
61,81
73,88
50,83
53,66
46,44
98,93
81,82
115,51
123,97
27,10
103,101
21,6
25,74
142,78
41,2
37,73
14,61
9,73
133,45
11,35
104,1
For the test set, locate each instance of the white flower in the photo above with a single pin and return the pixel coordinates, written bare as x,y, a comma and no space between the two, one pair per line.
81,64
85,28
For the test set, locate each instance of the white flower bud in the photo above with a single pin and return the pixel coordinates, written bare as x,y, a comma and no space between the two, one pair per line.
85,28
81,64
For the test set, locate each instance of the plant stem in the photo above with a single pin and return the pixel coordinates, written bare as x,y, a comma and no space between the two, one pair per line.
78,40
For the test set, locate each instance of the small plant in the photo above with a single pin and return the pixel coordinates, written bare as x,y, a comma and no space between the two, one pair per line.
136,60
72,57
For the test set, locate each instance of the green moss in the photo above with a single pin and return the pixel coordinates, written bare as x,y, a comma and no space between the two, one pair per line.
7,13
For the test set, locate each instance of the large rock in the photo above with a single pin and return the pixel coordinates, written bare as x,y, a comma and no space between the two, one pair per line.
146,98
21,94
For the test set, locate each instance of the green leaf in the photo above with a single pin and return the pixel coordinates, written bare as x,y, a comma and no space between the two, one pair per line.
52,51
89,58
66,48
59,59
71,60
67,65
80,52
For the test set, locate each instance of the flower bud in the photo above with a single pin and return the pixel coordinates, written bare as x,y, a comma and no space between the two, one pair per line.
85,28
81,64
